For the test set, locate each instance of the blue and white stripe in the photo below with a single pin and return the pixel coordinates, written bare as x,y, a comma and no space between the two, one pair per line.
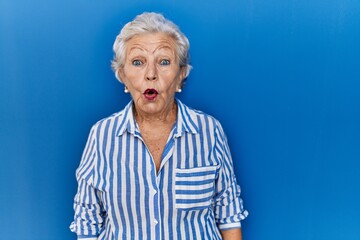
121,196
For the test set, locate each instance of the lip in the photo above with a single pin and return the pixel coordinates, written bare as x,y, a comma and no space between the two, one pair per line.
150,94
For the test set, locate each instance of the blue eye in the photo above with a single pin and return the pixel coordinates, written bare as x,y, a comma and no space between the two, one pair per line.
164,62
136,63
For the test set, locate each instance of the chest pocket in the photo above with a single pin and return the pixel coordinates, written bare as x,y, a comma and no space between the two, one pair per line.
194,187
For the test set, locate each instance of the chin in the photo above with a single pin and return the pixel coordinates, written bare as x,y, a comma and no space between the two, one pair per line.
149,107
152,109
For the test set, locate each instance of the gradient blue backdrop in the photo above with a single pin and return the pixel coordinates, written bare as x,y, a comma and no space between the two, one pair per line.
283,76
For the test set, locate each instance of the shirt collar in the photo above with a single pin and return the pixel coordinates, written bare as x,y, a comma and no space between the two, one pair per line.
185,122
127,122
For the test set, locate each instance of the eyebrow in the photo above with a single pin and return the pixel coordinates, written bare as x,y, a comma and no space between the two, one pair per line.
156,49
163,47
136,47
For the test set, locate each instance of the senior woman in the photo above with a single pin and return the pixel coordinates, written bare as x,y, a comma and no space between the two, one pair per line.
157,169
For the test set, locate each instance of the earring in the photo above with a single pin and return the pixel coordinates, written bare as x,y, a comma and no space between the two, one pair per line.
126,90
179,90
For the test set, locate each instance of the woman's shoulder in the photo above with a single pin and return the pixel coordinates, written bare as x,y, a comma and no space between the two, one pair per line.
198,116
115,118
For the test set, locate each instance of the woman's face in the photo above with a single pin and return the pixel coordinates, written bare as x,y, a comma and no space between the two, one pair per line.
152,72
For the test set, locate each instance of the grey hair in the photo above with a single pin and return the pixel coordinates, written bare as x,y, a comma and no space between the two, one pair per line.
150,22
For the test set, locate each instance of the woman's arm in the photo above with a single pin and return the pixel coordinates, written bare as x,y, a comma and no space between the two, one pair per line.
232,234
228,205
89,217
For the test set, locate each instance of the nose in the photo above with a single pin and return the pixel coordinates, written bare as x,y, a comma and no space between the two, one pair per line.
151,72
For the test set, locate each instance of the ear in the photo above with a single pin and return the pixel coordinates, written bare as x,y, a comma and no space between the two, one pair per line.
121,74
182,75
182,72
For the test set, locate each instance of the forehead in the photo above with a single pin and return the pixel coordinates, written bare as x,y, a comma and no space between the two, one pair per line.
150,43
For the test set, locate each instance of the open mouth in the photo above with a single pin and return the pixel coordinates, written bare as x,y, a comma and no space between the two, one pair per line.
150,94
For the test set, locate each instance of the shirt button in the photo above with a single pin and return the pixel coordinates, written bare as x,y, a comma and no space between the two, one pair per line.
154,191
156,222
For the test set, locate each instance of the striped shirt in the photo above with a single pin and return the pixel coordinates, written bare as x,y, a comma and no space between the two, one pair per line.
120,195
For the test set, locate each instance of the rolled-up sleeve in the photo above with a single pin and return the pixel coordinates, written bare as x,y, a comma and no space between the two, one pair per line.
228,205
89,214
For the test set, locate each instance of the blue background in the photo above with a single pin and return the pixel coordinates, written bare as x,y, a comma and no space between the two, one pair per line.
283,77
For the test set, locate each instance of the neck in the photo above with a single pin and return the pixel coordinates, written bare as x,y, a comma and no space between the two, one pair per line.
168,115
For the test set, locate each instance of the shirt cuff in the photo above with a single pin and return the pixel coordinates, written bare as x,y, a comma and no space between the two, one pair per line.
228,226
87,237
